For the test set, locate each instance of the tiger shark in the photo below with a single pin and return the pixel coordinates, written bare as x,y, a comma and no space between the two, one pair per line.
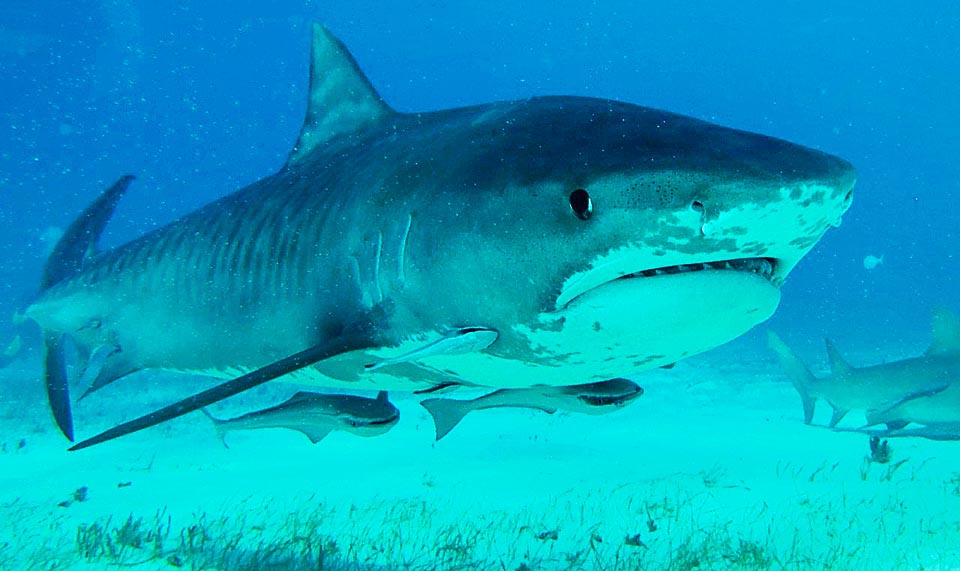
551,241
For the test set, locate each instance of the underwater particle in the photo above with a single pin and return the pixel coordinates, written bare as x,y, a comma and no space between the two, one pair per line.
22,444
871,262
124,484
880,451
634,541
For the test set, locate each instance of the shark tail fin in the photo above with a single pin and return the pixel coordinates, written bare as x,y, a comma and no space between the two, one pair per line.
801,377
446,413
218,426
77,244
58,386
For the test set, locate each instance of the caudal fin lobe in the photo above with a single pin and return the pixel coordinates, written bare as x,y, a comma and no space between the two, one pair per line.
76,245
446,413
799,374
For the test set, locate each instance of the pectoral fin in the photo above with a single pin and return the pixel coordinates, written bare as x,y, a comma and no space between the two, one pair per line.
457,342
349,341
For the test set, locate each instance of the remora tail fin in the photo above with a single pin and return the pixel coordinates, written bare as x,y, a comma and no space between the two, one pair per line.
446,413
67,258
801,377
341,101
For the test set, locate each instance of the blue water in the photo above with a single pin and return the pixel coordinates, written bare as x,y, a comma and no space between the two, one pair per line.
197,101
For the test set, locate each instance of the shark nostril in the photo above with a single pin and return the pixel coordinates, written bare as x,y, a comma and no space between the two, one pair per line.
849,197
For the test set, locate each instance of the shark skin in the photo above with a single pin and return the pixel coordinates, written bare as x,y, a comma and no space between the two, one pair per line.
596,238
921,389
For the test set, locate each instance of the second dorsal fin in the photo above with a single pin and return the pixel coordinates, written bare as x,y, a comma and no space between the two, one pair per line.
341,99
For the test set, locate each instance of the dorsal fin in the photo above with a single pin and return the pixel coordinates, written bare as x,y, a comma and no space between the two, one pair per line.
838,365
341,99
80,239
382,397
946,332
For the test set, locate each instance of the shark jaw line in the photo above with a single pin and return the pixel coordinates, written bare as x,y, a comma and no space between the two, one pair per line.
770,269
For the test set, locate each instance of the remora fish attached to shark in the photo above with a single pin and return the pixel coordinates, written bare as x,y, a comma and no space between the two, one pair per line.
590,398
317,415
885,392
594,238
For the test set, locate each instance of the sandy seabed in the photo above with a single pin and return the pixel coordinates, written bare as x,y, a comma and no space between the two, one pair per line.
711,469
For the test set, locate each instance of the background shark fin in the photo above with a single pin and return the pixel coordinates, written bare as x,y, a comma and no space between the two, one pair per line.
58,387
837,416
342,99
946,332
382,396
218,426
798,373
80,239
838,365
446,413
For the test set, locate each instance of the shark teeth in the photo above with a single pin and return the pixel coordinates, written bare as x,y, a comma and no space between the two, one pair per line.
763,267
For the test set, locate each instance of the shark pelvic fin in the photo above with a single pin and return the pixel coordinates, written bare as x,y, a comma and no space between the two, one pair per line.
79,241
837,416
838,365
946,332
341,100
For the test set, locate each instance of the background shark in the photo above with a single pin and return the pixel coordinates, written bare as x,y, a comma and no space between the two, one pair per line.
595,237
922,389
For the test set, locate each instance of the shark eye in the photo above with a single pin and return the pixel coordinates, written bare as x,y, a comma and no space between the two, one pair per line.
581,204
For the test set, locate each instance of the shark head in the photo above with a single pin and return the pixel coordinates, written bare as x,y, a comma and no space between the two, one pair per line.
588,230
597,237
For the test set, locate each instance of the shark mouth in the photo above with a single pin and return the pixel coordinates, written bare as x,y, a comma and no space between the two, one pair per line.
766,268
763,267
